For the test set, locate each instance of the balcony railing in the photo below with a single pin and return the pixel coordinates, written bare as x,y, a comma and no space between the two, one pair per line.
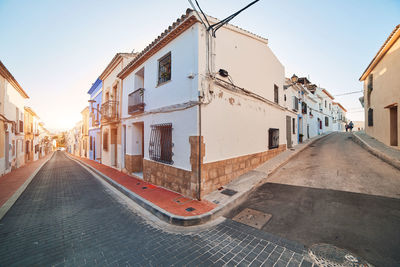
109,110
136,101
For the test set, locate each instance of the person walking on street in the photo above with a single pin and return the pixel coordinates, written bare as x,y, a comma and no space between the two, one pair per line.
351,125
346,126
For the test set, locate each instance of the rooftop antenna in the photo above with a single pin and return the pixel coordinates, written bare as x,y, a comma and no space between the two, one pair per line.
214,27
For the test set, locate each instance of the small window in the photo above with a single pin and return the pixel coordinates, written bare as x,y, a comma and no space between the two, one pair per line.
325,103
370,117
13,147
330,107
294,125
370,82
284,97
160,145
326,121
164,69
105,141
91,141
276,94
273,138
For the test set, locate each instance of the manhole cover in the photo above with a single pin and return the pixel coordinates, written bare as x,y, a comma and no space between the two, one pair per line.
329,255
228,192
253,218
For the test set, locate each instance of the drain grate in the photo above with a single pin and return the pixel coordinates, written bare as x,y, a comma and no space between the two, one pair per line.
253,218
228,192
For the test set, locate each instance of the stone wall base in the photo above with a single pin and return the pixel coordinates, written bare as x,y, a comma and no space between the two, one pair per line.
213,174
134,163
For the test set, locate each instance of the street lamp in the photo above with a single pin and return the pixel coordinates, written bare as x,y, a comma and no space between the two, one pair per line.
294,79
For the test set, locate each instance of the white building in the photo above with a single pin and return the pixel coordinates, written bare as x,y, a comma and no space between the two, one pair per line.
12,101
339,117
198,111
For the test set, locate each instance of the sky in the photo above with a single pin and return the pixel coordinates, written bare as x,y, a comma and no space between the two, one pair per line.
57,49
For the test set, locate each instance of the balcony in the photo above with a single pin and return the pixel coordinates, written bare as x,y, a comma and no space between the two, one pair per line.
136,101
109,110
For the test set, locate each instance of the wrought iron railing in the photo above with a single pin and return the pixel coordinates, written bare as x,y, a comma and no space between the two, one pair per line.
136,101
109,110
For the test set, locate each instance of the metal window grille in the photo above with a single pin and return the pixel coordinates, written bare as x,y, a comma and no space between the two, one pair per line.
136,101
304,107
273,138
160,146
370,117
164,69
326,121
276,94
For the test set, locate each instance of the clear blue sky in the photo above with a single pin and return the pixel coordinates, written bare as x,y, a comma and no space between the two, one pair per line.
57,49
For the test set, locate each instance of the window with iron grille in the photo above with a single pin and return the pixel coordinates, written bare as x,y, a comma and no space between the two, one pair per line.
160,145
370,117
91,143
326,121
273,138
21,126
164,68
276,94
105,141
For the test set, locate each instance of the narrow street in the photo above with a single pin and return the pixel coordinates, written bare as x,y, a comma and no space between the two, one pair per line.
337,193
66,217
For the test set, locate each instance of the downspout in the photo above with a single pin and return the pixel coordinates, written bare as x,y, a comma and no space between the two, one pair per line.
199,161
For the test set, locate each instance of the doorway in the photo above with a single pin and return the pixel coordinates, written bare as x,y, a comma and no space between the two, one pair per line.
138,148
288,132
114,148
393,127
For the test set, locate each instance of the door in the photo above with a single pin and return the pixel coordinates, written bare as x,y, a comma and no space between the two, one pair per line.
288,132
393,127
114,147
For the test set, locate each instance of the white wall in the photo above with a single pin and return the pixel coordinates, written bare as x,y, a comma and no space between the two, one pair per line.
180,89
184,124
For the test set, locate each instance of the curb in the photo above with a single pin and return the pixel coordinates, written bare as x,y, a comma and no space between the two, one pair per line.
10,202
375,152
189,220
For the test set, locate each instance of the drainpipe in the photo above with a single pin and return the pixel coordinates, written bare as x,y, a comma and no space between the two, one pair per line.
199,161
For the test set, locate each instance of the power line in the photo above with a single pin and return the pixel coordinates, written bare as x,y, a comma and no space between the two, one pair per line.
355,92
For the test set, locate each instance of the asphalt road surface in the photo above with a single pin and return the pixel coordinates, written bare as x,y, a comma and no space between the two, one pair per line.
66,217
335,192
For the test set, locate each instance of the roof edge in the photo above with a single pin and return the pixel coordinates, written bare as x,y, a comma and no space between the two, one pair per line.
392,38
10,78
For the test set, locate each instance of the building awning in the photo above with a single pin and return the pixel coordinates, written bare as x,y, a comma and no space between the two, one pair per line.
392,105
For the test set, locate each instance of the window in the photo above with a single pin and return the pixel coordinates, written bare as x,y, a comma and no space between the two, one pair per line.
105,141
370,117
370,82
21,126
325,103
276,94
91,141
295,103
160,145
13,147
330,107
273,138
326,121
164,69
36,148
284,97
303,108
294,125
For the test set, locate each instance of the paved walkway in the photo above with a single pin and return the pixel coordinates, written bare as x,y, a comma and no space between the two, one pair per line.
13,180
381,147
66,217
163,198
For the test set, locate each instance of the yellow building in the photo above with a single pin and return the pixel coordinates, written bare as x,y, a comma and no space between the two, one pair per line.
85,133
382,92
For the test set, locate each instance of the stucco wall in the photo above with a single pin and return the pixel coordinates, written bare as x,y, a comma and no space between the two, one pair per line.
386,91
180,88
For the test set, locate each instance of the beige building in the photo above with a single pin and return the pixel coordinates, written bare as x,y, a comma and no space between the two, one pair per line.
382,92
